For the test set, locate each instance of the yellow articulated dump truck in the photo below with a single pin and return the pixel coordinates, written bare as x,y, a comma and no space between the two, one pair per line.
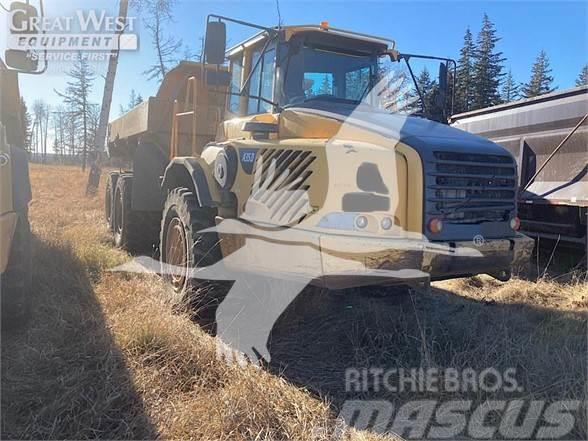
15,189
313,154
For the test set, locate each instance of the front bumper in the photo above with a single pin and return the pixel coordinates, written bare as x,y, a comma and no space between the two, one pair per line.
7,226
350,262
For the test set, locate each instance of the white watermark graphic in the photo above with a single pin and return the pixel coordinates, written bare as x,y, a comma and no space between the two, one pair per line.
456,419
419,380
91,30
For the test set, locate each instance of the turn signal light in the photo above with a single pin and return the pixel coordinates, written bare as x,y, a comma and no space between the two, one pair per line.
515,223
435,226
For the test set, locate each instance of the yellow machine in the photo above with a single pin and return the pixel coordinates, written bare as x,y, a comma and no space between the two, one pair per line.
15,190
308,156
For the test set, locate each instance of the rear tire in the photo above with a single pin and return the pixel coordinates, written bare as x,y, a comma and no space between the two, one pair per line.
184,246
111,181
16,282
134,231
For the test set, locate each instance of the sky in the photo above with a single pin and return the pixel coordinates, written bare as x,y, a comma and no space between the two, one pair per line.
432,28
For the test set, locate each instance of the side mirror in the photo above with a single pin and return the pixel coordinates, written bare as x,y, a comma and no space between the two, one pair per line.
22,16
215,44
443,76
21,60
218,79
441,98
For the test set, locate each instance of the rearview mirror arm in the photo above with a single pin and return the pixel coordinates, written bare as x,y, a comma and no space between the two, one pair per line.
248,80
416,83
431,57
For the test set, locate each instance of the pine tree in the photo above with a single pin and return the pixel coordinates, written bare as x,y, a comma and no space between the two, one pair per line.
510,89
428,89
76,97
465,70
583,77
487,67
325,88
134,101
540,82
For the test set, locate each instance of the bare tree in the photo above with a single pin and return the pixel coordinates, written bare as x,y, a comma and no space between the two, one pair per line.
41,111
71,131
59,127
159,14
109,82
76,96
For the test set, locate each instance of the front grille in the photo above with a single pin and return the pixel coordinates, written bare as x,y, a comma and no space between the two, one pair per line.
281,185
471,188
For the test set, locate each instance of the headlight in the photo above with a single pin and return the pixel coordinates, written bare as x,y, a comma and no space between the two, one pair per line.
361,222
387,223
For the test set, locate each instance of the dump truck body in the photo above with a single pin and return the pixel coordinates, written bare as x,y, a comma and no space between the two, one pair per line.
355,194
553,203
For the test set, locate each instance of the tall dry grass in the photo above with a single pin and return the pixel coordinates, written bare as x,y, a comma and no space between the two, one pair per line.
105,356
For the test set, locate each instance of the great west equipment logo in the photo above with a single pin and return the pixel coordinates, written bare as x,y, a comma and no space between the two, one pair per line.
85,30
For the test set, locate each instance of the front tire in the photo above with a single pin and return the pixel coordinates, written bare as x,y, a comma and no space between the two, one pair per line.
16,282
184,247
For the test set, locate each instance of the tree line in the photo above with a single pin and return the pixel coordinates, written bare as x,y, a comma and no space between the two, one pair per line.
481,81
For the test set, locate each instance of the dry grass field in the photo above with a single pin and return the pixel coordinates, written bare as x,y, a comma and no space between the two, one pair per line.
106,355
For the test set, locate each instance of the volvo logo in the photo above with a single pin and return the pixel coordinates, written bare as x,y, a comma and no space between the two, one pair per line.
4,159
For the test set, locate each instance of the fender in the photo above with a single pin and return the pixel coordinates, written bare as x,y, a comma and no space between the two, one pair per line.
149,163
188,172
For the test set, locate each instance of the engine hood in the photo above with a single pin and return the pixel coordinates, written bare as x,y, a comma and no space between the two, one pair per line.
419,133
427,138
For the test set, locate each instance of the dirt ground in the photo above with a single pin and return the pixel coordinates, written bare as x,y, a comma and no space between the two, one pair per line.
107,355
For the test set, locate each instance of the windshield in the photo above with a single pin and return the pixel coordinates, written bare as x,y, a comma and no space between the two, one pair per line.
316,74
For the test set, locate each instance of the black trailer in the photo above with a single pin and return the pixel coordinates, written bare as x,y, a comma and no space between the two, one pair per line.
549,137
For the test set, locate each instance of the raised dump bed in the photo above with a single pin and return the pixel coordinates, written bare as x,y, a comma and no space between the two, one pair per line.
186,111
554,196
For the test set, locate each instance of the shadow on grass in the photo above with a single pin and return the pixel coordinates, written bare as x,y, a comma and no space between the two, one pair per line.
322,334
63,376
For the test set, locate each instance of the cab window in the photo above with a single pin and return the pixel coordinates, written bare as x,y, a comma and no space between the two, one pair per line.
236,72
262,82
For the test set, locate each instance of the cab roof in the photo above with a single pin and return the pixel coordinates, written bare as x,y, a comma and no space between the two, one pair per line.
290,31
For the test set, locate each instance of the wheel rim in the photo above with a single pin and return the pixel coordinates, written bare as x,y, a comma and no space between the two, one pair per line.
176,253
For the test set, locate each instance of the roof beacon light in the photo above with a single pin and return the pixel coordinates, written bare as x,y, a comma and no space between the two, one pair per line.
325,24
